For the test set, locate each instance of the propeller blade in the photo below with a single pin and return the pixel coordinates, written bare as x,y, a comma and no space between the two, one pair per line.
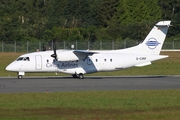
43,47
54,49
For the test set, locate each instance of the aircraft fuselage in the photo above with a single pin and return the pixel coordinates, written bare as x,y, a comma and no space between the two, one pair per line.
80,62
104,61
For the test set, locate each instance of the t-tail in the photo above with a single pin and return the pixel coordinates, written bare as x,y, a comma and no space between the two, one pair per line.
153,43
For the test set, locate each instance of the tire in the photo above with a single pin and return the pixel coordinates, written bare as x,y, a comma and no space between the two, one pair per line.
19,76
81,76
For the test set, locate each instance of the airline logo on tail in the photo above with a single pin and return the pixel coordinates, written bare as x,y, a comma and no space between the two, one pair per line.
152,43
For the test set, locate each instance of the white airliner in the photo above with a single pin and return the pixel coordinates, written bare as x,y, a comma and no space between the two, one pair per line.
80,62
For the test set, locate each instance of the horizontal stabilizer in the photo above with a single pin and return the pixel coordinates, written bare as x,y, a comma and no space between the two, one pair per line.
151,58
143,64
163,23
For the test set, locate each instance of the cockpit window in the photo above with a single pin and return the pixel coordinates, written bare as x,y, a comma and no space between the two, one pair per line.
26,59
23,59
20,59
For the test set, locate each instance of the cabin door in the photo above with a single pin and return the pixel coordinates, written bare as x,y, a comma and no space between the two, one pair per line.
38,61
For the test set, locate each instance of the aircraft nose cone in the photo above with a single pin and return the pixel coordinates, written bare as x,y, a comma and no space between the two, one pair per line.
10,67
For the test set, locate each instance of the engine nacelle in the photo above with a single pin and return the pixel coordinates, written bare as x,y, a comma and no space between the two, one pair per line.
67,56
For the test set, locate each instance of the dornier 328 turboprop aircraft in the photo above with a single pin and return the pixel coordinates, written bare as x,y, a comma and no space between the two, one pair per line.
80,62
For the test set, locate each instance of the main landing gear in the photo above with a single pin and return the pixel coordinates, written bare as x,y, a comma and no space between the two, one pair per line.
80,76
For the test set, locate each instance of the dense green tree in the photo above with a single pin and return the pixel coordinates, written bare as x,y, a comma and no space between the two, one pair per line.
134,19
106,11
85,20
131,11
70,13
22,18
171,11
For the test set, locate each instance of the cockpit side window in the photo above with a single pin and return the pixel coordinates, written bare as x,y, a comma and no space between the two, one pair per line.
26,59
23,59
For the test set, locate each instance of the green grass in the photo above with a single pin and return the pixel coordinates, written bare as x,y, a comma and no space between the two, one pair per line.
100,105
168,66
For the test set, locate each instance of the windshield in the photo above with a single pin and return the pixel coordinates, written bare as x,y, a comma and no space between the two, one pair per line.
20,59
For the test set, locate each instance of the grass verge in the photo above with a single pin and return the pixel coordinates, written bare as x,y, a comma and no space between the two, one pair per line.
96,105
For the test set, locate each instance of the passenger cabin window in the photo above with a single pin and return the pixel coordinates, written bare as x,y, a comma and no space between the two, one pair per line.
110,60
104,60
96,60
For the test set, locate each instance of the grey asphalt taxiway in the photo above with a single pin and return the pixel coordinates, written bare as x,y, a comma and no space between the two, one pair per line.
69,84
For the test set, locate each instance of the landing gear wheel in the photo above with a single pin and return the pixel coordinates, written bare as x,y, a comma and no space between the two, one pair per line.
19,76
81,76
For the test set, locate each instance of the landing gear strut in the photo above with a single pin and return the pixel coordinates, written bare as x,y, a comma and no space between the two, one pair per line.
75,76
20,75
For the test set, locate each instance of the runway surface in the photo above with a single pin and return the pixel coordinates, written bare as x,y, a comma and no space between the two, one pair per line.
69,84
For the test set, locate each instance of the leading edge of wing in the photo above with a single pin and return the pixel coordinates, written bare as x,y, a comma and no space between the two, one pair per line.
85,52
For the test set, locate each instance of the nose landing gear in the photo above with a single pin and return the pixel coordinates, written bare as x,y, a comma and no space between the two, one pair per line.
20,75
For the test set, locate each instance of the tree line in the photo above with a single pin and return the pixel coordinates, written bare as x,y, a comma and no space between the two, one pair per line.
85,20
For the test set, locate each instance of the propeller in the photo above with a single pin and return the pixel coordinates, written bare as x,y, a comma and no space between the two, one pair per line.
54,49
43,47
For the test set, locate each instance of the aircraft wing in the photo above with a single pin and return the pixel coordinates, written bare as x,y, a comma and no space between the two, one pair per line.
82,54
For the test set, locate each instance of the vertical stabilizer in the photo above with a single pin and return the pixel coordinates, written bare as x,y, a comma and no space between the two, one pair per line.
154,41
